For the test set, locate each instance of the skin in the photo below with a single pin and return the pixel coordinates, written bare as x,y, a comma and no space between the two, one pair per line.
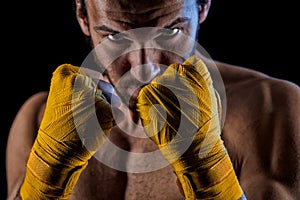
261,130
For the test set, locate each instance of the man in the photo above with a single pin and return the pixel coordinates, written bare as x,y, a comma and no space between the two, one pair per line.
261,130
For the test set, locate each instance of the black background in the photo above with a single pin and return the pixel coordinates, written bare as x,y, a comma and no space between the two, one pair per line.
37,36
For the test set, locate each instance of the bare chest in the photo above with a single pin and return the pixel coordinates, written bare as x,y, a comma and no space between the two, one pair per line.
127,168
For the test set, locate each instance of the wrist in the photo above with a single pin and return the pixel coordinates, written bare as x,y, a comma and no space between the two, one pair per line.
46,181
217,182
50,174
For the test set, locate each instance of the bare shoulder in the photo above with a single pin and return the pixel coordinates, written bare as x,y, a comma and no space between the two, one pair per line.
33,108
262,132
256,93
27,121
265,89
36,99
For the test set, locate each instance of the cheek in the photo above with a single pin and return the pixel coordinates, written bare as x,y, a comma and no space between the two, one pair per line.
167,58
192,29
96,39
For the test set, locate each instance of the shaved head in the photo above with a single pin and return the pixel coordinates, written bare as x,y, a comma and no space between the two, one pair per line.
136,6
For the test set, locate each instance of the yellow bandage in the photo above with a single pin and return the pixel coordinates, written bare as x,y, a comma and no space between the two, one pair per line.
180,113
68,135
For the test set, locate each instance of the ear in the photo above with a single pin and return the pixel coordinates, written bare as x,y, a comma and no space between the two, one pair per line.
203,10
82,18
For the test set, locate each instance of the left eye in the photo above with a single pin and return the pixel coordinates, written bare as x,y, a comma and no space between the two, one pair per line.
168,34
171,32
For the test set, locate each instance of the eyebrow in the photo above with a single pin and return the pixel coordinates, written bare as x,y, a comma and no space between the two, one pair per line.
176,21
105,28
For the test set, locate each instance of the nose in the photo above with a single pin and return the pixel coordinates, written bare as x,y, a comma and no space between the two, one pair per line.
143,66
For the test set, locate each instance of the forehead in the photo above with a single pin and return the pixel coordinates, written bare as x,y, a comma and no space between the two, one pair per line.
135,6
134,11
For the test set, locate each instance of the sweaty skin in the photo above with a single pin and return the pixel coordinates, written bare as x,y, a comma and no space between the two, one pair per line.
261,130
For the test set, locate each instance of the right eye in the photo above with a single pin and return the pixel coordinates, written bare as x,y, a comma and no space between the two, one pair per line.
115,37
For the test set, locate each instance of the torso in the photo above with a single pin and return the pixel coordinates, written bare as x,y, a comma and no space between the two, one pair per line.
252,134
108,183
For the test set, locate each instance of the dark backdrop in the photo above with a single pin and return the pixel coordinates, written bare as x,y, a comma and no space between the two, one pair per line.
37,36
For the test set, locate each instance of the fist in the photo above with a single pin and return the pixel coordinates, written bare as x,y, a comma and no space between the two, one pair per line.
180,110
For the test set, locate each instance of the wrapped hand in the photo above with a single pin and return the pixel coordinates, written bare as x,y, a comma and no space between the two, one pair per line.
180,113
76,117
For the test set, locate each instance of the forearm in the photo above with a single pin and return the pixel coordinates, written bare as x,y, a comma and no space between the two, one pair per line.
15,193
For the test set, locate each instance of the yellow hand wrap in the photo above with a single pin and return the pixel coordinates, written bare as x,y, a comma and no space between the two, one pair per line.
59,153
180,113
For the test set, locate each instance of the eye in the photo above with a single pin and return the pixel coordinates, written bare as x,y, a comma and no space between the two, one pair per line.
115,37
167,34
171,32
